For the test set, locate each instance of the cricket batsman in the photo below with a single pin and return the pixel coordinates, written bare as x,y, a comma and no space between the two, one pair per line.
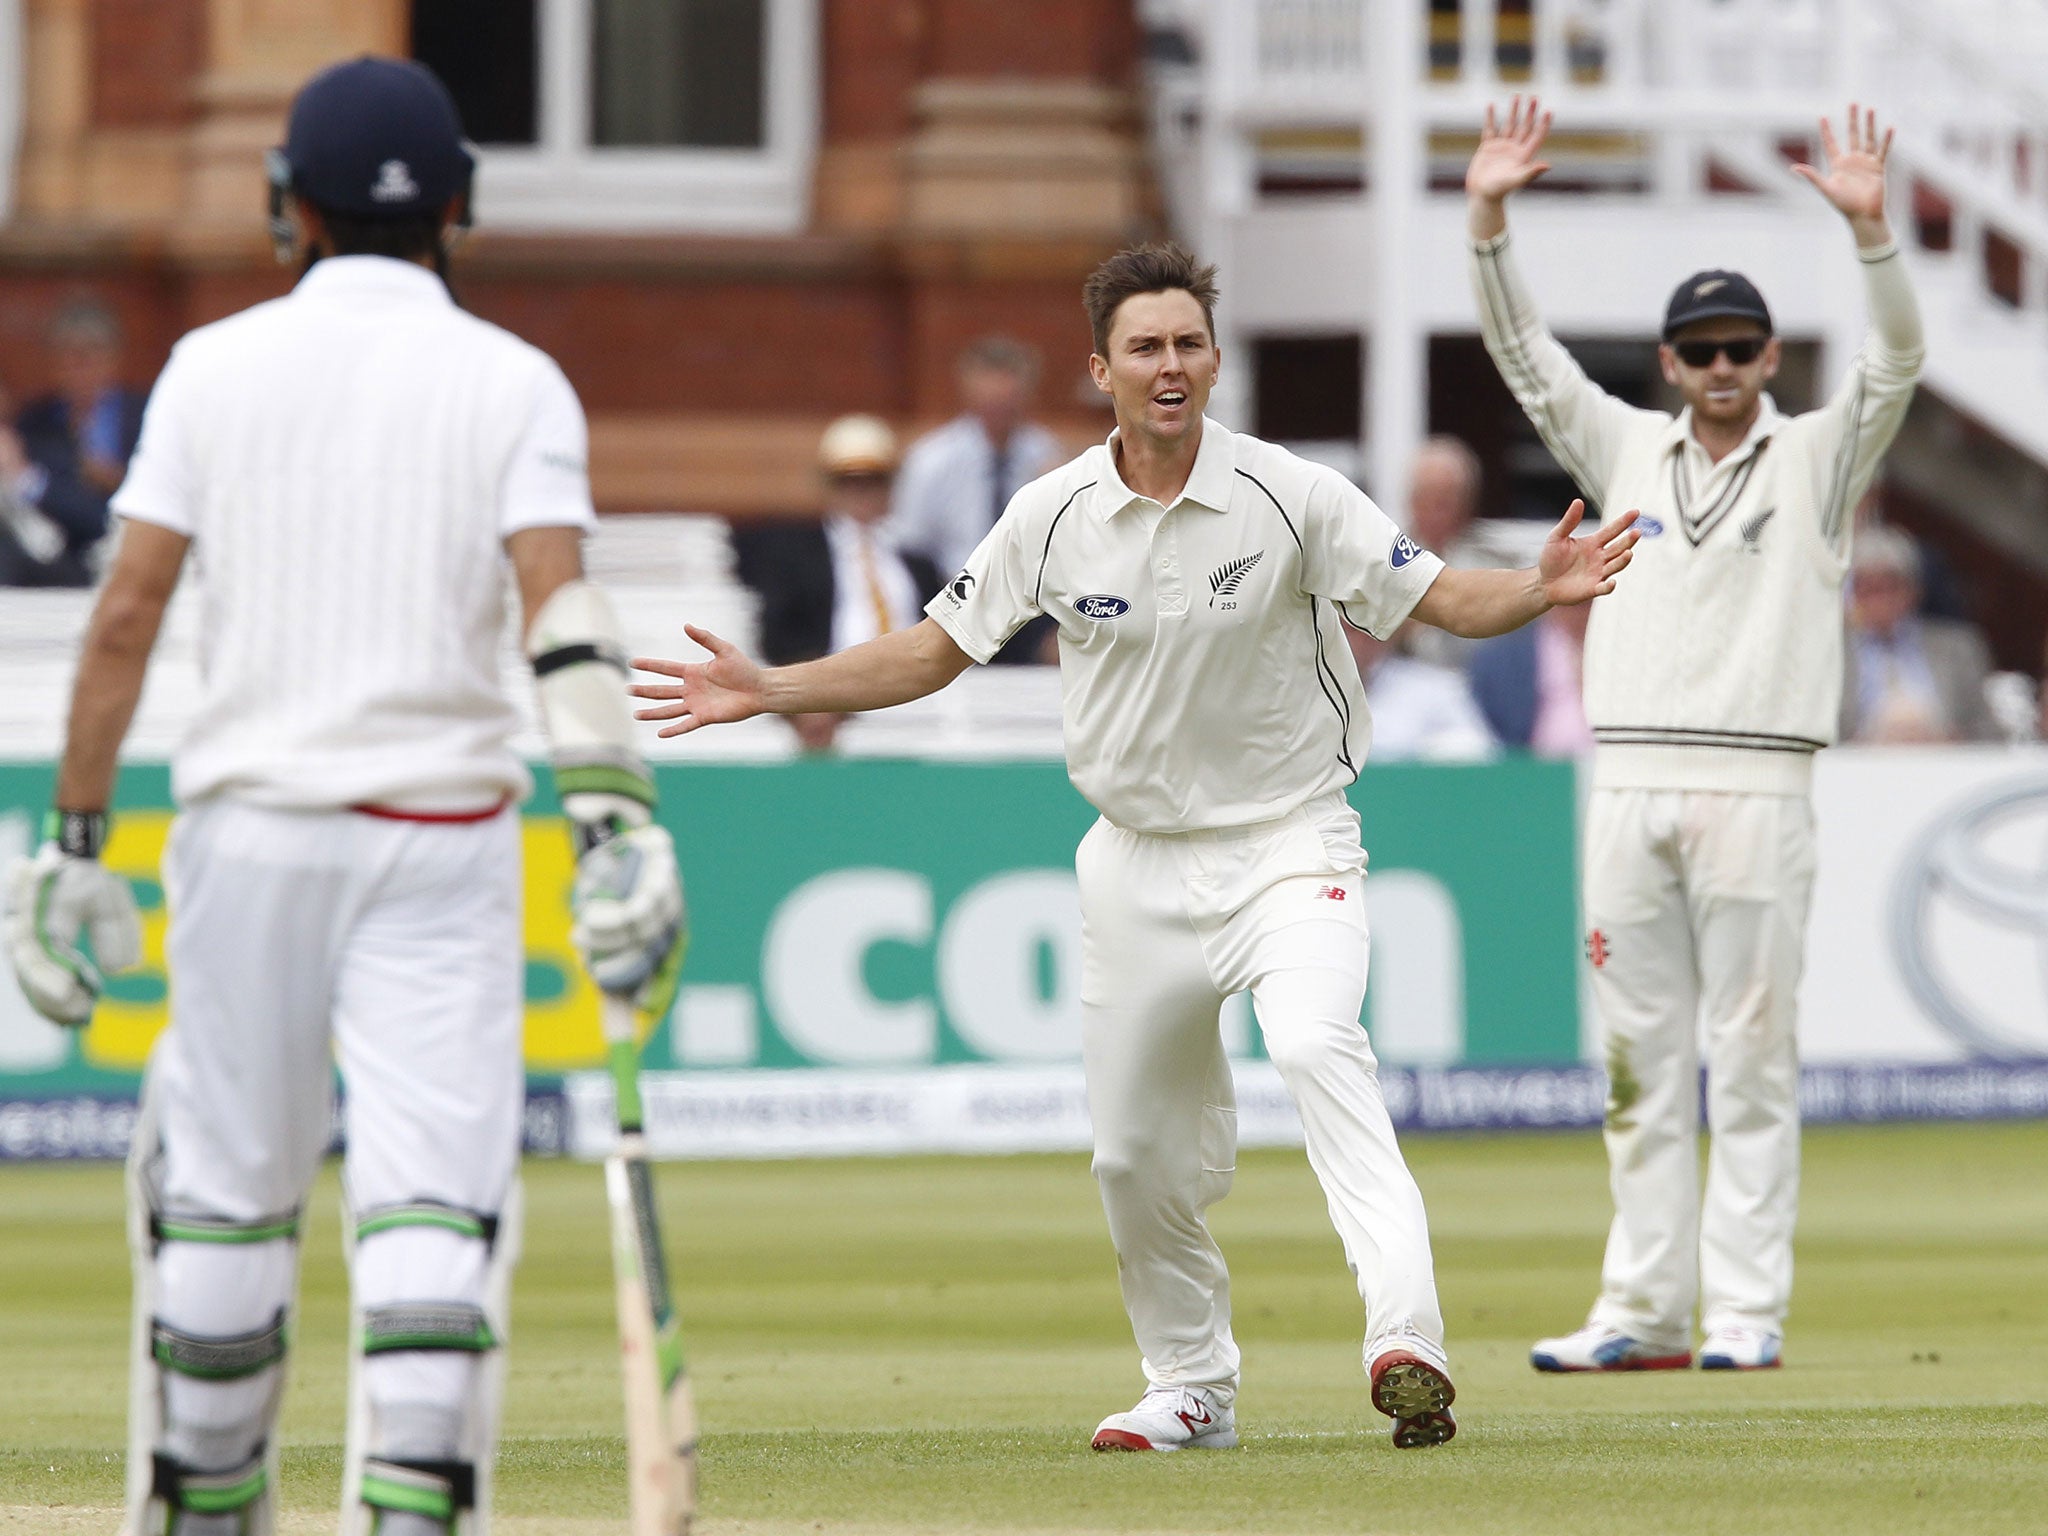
351,469
1711,680
1213,715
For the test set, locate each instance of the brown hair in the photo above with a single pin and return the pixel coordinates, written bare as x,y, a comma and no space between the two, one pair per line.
1145,269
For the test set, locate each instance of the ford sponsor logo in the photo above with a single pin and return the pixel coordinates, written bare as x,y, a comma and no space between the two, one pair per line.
1648,527
1101,606
1404,550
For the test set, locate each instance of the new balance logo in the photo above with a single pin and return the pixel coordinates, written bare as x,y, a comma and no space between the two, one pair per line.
1225,579
1194,1424
1752,529
1330,893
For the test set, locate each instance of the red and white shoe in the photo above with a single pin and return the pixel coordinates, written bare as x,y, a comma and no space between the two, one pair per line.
1416,1394
1598,1347
1170,1419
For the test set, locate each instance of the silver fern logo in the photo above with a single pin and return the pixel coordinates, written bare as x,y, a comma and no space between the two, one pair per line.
1753,529
1226,579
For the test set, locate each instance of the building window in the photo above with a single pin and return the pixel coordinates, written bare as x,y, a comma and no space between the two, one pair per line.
486,52
677,72
657,115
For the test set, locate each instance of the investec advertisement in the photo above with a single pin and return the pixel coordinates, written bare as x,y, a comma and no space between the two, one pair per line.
885,956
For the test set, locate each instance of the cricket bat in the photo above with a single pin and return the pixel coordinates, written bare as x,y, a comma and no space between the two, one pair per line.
661,1414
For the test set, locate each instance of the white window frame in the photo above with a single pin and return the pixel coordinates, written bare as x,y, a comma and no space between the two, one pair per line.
12,96
566,183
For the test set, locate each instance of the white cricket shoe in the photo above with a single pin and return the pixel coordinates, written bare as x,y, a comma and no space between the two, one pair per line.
1735,1348
1600,1347
1170,1419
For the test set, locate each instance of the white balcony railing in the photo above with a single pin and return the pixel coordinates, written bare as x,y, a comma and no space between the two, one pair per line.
1965,81
1675,102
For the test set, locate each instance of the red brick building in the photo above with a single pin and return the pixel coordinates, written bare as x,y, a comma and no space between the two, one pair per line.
729,219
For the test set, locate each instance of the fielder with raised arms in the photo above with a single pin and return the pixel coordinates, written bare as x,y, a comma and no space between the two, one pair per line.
351,468
1711,680
1214,716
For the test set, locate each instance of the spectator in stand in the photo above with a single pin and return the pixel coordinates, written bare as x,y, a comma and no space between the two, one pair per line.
1529,684
1421,712
31,541
836,582
1444,482
1941,593
77,440
1908,678
2041,728
958,478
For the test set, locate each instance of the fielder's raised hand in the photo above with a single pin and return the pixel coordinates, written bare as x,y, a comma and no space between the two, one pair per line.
55,899
1576,570
1509,157
721,691
1854,179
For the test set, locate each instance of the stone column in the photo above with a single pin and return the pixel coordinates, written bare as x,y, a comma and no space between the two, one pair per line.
56,110
1036,159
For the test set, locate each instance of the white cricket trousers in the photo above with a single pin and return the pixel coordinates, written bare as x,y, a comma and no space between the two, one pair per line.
299,940
1172,925
1697,906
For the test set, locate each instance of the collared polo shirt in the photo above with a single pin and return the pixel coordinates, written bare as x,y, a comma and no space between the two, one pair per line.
348,461
1204,674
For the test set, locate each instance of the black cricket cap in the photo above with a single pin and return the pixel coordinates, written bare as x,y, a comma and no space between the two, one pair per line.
1712,295
375,138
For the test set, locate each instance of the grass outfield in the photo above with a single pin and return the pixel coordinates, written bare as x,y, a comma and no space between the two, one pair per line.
924,1345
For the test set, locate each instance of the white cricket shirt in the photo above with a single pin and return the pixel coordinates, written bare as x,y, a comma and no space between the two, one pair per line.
1203,670
347,461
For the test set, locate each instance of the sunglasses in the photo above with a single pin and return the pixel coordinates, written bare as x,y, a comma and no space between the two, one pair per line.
1741,351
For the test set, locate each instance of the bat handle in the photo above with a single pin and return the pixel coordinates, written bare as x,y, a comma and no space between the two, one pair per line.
622,1053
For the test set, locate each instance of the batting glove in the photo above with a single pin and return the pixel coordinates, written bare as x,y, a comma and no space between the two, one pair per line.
53,898
630,921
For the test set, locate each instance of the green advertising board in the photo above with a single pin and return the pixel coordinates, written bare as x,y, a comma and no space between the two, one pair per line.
890,913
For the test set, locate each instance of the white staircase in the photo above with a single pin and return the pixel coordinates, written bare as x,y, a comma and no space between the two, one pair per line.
1654,99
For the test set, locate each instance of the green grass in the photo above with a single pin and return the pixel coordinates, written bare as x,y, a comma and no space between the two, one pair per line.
924,1345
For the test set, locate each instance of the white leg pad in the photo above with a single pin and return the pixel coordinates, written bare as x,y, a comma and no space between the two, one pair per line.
440,1400
212,1306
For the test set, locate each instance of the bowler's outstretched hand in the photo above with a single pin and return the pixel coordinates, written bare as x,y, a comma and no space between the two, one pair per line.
725,689
1578,570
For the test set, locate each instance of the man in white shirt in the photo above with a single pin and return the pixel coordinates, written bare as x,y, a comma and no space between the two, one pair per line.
1711,680
355,469
957,479
1200,579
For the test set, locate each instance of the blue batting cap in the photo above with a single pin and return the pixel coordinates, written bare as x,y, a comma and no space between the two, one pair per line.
376,138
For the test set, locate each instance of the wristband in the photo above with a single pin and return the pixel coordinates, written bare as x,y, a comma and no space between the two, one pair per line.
80,834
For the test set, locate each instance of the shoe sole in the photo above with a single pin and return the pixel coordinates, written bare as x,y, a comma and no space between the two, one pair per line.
1723,1363
1130,1440
1417,1396
1637,1363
